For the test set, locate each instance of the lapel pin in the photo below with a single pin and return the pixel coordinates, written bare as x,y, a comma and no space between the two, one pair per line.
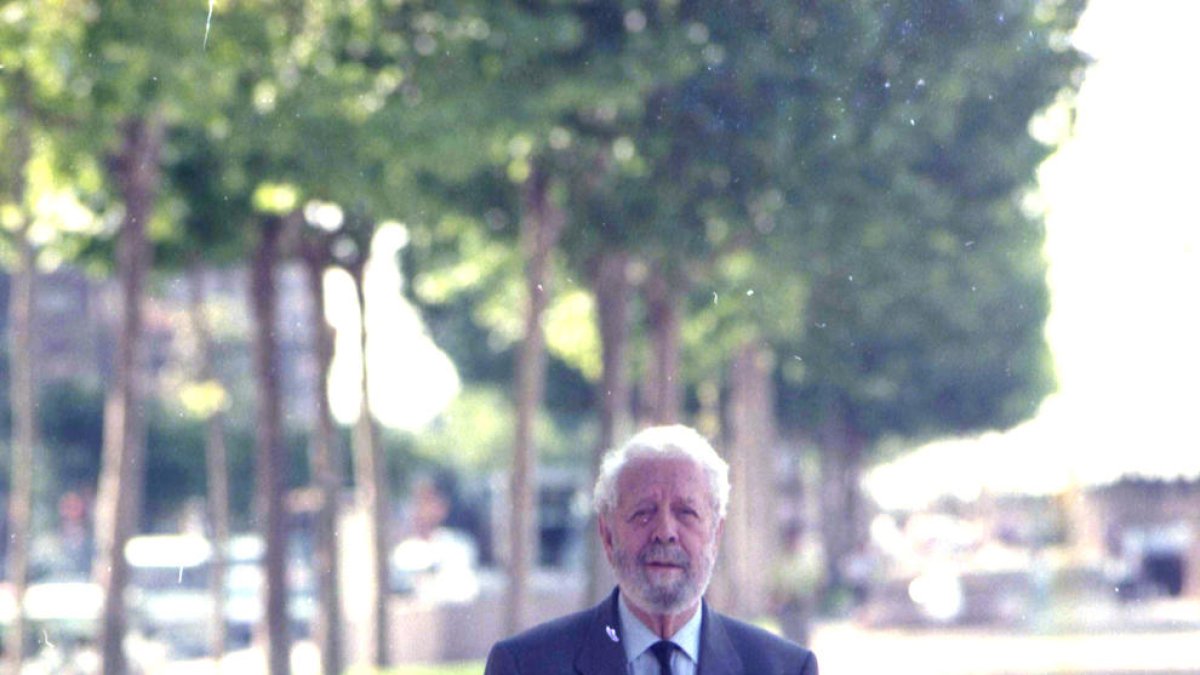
612,633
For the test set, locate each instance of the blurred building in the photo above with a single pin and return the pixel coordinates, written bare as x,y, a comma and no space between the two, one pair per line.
70,340
1153,526
562,517
1128,503
231,323
75,328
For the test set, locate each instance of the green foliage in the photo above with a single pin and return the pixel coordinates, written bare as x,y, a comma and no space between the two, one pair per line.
926,296
844,180
47,181
743,299
475,432
73,420
467,264
571,332
213,203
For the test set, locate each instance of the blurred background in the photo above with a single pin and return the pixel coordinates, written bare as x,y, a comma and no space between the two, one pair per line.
318,315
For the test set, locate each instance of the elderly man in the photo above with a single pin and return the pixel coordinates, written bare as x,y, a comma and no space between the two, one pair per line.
661,502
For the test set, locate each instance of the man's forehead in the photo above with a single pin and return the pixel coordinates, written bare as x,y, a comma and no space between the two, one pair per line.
680,473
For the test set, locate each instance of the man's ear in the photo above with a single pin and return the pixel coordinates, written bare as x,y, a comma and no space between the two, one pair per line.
606,536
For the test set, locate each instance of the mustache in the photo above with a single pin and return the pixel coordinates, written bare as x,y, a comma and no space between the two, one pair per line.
663,554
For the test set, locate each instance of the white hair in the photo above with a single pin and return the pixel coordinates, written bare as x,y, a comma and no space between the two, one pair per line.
663,442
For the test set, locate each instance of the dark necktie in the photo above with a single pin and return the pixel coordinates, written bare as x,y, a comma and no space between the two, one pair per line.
662,651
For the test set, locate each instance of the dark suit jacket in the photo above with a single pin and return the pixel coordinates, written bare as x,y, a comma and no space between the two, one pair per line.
580,643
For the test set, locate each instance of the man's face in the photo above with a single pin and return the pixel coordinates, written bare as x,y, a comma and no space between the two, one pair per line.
661,537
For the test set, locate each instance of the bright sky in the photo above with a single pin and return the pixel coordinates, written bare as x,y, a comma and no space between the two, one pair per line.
1123,228
1123,241
411,379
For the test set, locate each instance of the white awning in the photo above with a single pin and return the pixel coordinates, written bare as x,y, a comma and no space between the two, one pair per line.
1060,449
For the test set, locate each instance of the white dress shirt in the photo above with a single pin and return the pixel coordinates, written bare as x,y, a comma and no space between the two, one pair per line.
636,638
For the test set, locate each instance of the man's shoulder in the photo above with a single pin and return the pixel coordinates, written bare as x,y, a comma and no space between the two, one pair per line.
764,651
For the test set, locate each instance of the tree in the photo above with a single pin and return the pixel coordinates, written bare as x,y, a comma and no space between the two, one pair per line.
613,292
315,250
120,489
611,37
541,226
925,290
37,104
685,189
198,177
534,67
211,404
22,386
302,102
818,175
132,95
270,470
370,464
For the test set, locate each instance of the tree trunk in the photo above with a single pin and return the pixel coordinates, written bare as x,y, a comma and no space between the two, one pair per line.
371,469
271,467
750,528
122,473
664,391
326,472
541,227
216,463
610,285
22,386
841,497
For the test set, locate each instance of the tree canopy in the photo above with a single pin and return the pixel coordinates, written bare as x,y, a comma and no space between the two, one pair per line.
842,185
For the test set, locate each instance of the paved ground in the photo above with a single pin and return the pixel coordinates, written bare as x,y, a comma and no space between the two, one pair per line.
1155,638
1163,638
1132,643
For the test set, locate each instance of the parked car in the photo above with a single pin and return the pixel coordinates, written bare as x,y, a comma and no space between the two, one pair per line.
244,582
170,599
62,612
168,596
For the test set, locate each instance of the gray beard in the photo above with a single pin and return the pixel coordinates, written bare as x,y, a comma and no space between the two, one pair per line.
664,598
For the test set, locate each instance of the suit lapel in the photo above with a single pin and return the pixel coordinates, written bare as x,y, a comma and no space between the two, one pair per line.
717,655
599,654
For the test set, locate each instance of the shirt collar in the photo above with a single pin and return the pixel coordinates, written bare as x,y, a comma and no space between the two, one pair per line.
637,636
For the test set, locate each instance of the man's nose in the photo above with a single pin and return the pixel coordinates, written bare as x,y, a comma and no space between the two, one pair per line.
666,529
